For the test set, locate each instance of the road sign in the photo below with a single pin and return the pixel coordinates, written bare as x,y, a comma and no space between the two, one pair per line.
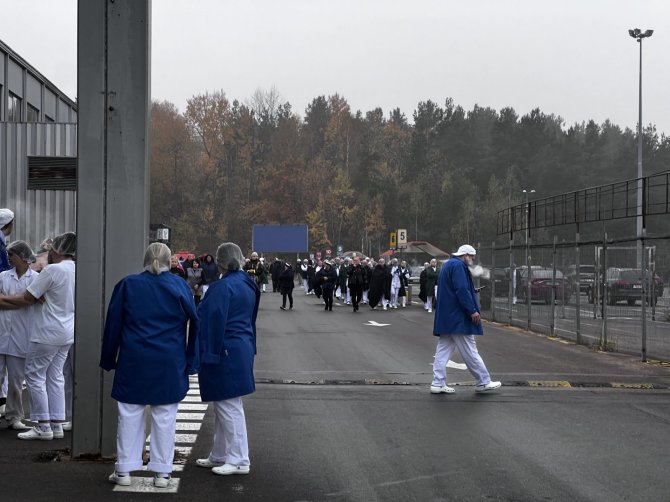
392,240
402,236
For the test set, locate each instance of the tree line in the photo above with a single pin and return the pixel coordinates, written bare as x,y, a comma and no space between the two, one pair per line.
221,166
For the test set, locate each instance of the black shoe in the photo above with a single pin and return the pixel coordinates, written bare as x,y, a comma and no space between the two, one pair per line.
291,307
283,308
330,309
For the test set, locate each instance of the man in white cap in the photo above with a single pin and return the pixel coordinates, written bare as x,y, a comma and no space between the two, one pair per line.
457,321
6,226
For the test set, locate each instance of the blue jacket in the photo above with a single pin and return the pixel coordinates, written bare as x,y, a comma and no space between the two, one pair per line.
145,339
456,301
227,337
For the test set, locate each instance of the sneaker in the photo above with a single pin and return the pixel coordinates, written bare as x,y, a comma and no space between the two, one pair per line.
119,479
205,462
36,433
228,469
67,426
430,311
445,389
57,430
18,425
162,480
489,386
283,308
384,307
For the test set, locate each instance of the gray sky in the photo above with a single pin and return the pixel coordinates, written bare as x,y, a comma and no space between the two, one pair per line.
572,58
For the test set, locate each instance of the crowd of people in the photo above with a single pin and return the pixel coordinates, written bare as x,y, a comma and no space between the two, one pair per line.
36,332
180,318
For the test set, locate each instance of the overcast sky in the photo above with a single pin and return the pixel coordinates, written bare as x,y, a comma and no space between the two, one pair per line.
572,58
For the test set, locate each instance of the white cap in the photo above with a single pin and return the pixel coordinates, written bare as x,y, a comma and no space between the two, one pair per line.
465,249
6,216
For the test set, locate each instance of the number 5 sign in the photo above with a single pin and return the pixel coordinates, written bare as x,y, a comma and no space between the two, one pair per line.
402,237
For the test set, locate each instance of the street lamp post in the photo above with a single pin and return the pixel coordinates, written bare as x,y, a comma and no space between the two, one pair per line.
638,35
528,261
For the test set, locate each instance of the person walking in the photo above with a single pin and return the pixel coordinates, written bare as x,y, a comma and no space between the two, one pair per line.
145,341
396,283
326,278
285,284
405,274
227,340
457,322
431,284
210,273
356,279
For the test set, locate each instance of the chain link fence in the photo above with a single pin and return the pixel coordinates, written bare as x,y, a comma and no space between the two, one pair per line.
613,294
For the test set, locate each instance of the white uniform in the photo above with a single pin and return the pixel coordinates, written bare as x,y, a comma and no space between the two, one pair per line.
52,336
15,329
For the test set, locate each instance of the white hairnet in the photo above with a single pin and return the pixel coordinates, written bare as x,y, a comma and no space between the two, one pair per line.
229,256
22,250
157,258
65,244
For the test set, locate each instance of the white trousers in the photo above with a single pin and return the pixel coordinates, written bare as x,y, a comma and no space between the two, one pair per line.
14,368
130,437
467,347
394,295
4,386
68,377
44,378
365,296
305,285
230,433
429,303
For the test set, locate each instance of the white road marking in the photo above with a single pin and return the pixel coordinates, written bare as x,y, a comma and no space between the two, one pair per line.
374,323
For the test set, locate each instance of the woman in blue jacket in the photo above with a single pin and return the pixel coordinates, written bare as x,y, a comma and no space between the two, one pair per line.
146,342
227,341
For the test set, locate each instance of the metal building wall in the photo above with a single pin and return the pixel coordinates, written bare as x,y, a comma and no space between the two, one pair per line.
39,213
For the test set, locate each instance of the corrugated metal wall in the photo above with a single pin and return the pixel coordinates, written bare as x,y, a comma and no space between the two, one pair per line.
39,213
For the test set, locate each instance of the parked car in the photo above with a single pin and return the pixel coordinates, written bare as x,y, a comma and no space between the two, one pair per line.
587,274
542,283
625,284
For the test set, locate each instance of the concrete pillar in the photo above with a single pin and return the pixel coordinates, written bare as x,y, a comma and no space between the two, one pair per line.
112,192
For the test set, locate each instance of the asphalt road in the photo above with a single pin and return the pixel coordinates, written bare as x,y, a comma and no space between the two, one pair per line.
343,413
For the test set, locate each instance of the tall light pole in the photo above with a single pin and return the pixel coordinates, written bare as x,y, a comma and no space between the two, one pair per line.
638,35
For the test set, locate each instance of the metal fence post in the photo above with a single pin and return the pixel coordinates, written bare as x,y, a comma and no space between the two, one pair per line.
512,280
644,298
492,283
578,300
552,319
605,296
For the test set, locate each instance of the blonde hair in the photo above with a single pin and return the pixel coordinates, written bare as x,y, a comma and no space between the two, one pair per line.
156,256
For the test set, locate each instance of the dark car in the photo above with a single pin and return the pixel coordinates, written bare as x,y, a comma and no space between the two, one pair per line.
542,283
587,274
625,284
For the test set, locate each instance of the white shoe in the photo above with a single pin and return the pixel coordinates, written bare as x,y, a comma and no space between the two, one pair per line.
117,479
228,469
385,307
489,386
445,389
205,462
430,311
163,482
67,426
36,433
57,430
18,425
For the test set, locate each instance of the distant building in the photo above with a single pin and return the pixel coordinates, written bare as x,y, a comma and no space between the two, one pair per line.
38,151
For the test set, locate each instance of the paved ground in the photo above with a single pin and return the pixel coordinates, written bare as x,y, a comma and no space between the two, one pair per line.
358,423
